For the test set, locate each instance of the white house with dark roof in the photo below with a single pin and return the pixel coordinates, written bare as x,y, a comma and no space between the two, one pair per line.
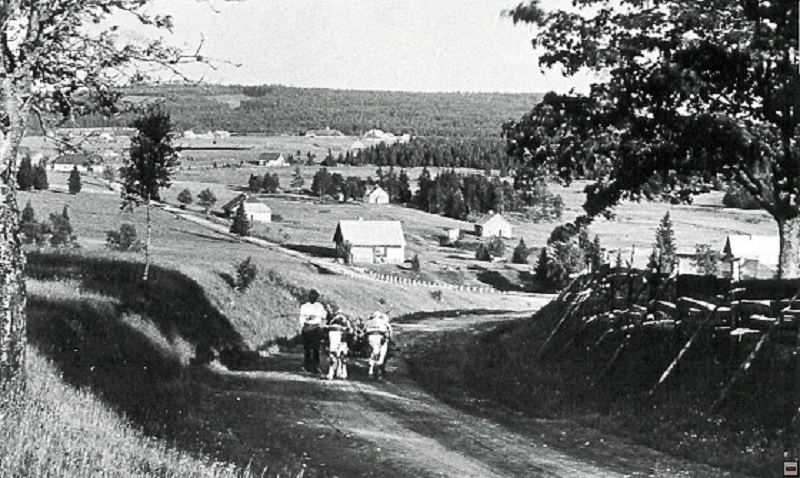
255,210
376,195
372,242
272,159
752,257
492,224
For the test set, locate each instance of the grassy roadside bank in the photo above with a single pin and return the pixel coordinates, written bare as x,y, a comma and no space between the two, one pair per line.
491,371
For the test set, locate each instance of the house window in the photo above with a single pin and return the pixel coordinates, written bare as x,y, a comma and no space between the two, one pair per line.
378,254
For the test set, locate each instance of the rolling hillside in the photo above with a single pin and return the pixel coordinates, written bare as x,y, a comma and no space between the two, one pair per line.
281,109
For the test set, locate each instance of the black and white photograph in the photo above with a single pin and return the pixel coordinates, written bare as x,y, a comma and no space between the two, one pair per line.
399,238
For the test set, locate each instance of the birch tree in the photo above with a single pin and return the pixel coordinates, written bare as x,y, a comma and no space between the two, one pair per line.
58,59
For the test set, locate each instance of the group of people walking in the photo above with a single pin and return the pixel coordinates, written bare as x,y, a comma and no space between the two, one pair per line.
317,325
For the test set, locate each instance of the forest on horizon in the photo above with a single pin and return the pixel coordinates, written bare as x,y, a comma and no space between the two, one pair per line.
275,109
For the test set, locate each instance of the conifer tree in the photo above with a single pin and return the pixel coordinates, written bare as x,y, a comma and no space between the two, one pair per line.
40,178
521,253
241,224
297,179
663,258
61,229
75,181
25,174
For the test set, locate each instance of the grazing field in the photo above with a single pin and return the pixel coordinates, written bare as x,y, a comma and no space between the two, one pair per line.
309,223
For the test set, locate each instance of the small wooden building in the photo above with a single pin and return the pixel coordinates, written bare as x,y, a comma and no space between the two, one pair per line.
255,210
376,195
492,224
751,257
372,242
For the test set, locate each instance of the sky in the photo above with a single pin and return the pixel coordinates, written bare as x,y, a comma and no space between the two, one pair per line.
399,45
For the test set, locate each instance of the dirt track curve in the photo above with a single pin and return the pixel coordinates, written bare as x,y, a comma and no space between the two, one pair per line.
362,428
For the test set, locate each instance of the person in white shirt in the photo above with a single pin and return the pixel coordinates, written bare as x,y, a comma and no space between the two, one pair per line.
379,334
312,316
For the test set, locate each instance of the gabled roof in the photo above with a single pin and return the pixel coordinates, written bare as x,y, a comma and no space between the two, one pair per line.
491,217
370,233
252,203
376,189
270,156
233,204
765,249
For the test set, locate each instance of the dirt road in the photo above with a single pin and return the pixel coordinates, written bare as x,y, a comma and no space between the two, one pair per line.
363,428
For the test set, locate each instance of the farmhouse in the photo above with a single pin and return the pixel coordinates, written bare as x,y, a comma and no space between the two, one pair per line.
255,210
376,196
751,257
66,162
492,224
272,159
372,242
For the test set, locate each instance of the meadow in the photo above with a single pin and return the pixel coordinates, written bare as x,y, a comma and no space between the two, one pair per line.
120,356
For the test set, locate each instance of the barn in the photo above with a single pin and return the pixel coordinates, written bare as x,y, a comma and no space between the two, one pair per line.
255,210
376,196
492,224
372,242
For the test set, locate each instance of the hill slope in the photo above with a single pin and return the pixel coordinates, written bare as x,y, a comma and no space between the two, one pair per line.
283,109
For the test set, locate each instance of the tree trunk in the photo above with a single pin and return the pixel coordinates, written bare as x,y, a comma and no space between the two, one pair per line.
12,258
147,245
789,259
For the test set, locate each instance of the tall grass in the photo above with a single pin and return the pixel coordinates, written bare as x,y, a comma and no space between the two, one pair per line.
117,348
49,429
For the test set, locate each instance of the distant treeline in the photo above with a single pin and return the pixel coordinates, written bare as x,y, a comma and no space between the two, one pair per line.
283,109
475,153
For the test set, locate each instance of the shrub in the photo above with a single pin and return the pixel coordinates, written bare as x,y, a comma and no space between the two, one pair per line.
344,251
109,174
738,197
206,199
277,218
61,233
564,258
482,253
246,273
521,253
436,295
415,266
74,181
185,198
125,239
32,231
496,247
706,259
